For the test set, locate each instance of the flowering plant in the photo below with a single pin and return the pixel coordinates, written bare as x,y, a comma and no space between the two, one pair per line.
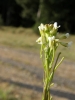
50,41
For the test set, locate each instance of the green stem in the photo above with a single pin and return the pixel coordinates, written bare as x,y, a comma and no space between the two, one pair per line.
47,74
46,91
52,59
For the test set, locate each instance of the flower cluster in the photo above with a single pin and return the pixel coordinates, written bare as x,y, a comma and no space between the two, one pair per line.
49,35
49,41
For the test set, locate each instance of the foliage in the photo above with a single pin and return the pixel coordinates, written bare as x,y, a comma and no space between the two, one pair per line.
19,12
1,20
61,11
28,13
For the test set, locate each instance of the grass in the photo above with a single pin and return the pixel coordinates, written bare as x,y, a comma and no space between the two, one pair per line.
25,39
18,37
7,95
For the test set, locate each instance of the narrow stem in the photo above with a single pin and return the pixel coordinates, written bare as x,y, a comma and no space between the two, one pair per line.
46,91
53,54
57,59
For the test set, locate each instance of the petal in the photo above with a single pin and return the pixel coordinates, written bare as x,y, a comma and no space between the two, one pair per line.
55,25
41,27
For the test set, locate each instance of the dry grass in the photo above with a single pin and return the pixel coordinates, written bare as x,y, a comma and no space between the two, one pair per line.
18,37
25,38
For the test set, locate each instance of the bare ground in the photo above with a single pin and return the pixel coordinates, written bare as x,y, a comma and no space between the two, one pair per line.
22,70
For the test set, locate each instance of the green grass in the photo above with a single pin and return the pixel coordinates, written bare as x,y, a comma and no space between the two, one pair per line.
26,38
7,95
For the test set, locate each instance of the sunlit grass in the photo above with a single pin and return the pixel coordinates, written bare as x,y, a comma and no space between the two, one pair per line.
18,37
26,39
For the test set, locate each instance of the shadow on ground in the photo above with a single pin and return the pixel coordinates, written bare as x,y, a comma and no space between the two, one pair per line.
68,95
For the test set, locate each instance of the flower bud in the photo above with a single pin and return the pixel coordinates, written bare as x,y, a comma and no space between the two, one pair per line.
66,44
70,43
67,35
51,39
55,25
39,40
41,27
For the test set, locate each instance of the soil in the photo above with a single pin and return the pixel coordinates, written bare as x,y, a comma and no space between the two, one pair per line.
22,71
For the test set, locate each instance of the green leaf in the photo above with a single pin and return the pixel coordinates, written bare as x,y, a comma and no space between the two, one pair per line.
59,63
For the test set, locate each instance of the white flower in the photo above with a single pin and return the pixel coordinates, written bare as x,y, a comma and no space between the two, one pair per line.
67,35
51,39
55,25
70,43
41,27
39,40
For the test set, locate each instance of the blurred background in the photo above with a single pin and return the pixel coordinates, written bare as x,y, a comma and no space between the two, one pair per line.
21,70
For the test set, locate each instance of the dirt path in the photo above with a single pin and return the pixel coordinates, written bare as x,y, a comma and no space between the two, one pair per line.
23,69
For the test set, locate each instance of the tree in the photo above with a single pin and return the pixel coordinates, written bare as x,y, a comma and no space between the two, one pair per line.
61,11
19,12
29,11
10,12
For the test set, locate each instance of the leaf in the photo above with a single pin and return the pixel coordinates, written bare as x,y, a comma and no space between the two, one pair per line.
59,63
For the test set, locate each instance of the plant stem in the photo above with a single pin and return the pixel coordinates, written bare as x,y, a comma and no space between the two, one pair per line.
46,91
48,76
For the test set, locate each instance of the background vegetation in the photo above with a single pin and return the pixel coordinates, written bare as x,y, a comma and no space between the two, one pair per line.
30,13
